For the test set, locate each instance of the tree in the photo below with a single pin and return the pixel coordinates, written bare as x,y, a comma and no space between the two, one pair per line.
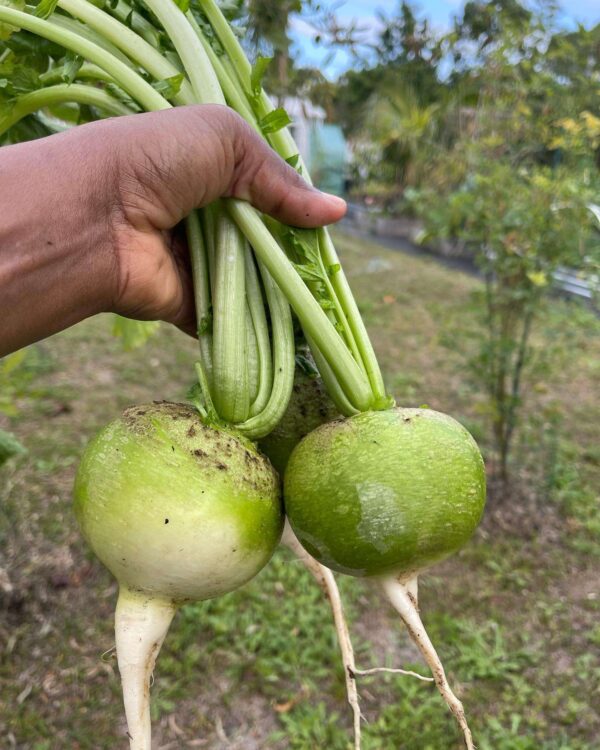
404,57
516,188
268,26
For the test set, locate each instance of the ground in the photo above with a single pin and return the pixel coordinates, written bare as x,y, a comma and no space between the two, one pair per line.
515,614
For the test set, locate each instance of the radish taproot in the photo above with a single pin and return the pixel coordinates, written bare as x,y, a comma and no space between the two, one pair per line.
386,494
178,512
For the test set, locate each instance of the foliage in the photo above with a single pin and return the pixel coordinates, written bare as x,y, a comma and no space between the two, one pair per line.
133,333
523,225
397,137
503,151
17,371
407,54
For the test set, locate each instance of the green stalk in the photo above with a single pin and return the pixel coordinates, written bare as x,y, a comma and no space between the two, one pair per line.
202,77
353,328
123,75
258,318
285,146
233,94
86,71
337,314
128,42
354,318
283,362
312,317
202,296
82,31
336,394
230,373
282,140
229,41
209,223
252,359
125,13
61,94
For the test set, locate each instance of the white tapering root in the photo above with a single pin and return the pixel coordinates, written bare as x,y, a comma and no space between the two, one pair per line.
141,624
326,580
403,596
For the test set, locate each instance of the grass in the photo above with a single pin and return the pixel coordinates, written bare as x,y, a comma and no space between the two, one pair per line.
515,614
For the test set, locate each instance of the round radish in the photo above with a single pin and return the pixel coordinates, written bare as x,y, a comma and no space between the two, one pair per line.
178,511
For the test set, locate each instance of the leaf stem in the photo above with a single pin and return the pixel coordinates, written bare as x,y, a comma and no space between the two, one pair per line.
230,373
311,315
256,309
123,75
128,42
202,297
283,362
203,79
50,96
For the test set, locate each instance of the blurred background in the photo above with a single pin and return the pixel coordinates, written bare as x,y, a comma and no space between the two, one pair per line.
466,139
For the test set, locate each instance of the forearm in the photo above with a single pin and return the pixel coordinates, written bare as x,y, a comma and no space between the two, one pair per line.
55,245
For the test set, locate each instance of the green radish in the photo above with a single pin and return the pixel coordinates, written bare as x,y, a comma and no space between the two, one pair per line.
178,512
387,494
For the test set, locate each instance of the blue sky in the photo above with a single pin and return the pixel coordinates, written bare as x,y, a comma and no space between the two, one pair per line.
439,12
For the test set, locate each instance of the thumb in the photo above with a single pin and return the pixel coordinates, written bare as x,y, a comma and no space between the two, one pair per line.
274,187
173,161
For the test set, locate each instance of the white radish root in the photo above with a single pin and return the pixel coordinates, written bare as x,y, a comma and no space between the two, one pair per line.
403,597
327,582
141,624
325,579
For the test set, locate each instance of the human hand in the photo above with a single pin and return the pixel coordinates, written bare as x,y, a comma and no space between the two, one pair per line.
89,216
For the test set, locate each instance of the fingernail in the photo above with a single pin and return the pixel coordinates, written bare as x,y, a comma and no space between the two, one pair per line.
335,200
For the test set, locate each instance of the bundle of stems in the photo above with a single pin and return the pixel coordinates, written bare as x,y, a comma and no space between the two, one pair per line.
125,56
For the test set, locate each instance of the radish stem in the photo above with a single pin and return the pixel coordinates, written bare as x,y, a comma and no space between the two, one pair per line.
127,78
128,42
61,94
201,279
230,368
256,310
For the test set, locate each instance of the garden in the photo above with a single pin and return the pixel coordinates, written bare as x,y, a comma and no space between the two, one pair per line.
487,137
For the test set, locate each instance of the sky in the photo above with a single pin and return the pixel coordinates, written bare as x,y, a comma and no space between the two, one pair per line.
440,13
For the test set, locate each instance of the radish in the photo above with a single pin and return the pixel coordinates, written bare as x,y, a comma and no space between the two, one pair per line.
387,494
178,512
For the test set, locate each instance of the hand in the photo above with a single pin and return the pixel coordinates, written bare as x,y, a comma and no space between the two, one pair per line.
89,217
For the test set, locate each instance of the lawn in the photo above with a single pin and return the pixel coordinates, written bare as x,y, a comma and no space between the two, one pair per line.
516,614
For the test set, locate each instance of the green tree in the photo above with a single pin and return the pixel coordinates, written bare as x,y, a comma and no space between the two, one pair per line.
268,27
405,57
403,131
516,186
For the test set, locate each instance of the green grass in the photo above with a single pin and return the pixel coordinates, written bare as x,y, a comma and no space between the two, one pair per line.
515,614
